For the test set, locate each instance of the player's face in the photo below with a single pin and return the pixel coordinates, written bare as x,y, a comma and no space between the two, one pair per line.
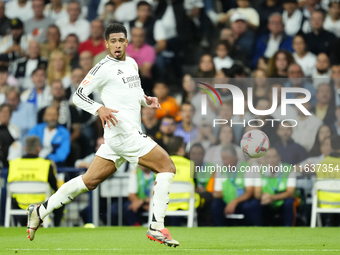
117,45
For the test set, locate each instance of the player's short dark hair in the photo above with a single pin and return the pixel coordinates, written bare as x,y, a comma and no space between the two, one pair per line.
115,28
38,69
143,3
3,69
174,144
335,142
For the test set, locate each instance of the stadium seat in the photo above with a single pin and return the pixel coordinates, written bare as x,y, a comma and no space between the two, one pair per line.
116,186
181,187
324,185
21,188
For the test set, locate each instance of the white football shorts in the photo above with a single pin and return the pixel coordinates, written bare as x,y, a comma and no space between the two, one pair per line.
126,147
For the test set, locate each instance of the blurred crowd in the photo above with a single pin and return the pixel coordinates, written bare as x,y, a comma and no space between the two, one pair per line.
48,46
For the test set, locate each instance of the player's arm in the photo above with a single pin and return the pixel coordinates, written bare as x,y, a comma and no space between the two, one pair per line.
92,81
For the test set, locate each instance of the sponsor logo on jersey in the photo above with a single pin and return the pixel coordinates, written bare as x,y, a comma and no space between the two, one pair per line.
130,78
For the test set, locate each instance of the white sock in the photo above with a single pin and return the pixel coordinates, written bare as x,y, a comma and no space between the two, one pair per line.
63,196
161,199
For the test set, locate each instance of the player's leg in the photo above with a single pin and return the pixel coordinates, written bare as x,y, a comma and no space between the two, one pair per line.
159,161
99,171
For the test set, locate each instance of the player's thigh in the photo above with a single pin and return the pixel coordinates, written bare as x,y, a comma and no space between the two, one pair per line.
99,170
157,160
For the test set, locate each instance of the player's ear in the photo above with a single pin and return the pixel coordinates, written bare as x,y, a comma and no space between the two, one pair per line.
127,41
106,44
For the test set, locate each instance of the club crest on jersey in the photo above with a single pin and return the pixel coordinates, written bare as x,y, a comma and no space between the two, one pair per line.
135,66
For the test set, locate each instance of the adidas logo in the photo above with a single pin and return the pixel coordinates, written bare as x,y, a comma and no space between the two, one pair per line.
119,72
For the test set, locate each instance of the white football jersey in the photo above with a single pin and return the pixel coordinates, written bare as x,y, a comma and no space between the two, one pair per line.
119,86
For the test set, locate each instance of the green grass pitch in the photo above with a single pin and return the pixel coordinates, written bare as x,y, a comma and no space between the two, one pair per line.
132,240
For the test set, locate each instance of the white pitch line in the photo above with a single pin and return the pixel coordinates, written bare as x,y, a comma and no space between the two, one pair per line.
228,250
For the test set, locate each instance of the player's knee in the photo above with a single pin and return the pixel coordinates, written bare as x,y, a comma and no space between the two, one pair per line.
91,185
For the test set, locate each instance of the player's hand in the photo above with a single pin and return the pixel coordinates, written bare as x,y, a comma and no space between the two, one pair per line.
230,208
266,199
153,102
105,114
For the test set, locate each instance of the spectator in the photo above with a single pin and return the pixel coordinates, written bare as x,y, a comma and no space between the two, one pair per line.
262,63
291,112
233,192
125,11
40,95
144,55
5,22
323,108
253,19
19,9
150,124
204,184
261,88
332,21
36,27
86,61
23,114
96,43
205,135
322,71
10,147
32,168
319,40
289,151
329,199
336,126
166,131
224,138
265,9
58,69
55,139
292,17
141,181
74,24
168,104
245,38
186,129
86,162
223,60
206,67
267,127
323,132
67,114
3,83
278,64
56,10
296,80
108,16
236,52
24,67
325,149
186,90
155,34
16,43
335,83
308,127
278,190
71,46
53,42
270,43
305,59
77,77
